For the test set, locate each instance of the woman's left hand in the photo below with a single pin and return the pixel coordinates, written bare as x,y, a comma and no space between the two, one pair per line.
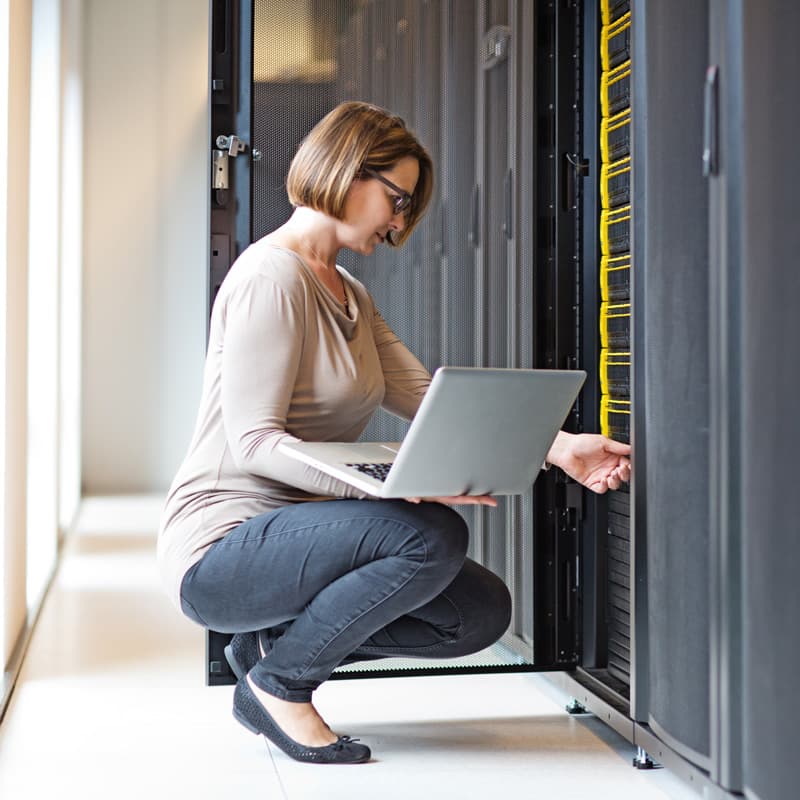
595,461
461,500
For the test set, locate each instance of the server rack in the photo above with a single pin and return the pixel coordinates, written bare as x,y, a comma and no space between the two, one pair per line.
572,227
464,289
616,202
648,683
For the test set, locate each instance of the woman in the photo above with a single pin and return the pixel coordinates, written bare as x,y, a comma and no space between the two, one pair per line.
297,350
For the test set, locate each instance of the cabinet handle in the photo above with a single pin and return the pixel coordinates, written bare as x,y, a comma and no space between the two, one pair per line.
508,186
473,237
710,112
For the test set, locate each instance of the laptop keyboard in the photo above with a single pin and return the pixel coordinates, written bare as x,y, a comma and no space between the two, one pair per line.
377,471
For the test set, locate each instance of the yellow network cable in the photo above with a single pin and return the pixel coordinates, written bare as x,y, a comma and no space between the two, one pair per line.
615,277
615,230
620,125
615,373
615,87
615,324
615,416
610,32
608,172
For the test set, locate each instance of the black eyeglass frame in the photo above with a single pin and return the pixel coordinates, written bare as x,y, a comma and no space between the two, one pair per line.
401,201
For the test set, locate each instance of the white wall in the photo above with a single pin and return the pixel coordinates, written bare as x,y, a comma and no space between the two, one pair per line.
145,229
14,333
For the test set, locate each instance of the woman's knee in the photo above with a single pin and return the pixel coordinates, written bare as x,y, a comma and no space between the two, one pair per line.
445,531
496,616
485,606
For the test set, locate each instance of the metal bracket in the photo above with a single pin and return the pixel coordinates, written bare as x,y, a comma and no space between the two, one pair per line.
580,164
495,45
219,169
233,144
227,146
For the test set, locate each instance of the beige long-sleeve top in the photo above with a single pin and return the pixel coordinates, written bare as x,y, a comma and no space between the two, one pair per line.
284,362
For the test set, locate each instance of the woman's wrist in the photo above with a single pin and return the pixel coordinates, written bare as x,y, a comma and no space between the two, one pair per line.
559,448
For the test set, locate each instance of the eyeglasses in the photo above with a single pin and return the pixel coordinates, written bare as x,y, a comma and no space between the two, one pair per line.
401,201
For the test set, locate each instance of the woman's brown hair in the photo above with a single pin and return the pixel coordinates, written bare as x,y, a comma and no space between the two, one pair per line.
352,137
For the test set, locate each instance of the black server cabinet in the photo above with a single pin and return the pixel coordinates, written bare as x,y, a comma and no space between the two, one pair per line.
754,179
649,672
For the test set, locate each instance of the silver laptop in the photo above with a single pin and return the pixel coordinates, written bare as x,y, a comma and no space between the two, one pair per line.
477,431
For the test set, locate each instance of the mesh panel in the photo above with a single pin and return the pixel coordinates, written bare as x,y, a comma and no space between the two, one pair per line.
294,86
490,657
397,55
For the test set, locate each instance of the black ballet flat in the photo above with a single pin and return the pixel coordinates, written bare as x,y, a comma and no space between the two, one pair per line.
255,718
242,653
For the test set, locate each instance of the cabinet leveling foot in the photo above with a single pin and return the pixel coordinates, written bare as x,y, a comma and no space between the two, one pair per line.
643,761
574,707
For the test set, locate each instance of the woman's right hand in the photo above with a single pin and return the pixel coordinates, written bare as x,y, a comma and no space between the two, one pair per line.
461,500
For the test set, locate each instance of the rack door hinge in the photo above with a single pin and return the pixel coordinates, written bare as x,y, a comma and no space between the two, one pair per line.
233,144
226,147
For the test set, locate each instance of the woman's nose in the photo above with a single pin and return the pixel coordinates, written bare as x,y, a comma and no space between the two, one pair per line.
398,221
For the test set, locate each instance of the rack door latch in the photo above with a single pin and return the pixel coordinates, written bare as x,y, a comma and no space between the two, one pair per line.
227,147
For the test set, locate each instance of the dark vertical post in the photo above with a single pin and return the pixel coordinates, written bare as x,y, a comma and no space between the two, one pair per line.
230,82
640,664
722,160
554,289
593,539
770,388
671,365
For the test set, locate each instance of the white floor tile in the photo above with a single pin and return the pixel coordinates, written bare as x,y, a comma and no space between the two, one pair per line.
111,704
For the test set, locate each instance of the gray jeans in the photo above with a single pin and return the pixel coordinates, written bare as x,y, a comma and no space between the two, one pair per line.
345,580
